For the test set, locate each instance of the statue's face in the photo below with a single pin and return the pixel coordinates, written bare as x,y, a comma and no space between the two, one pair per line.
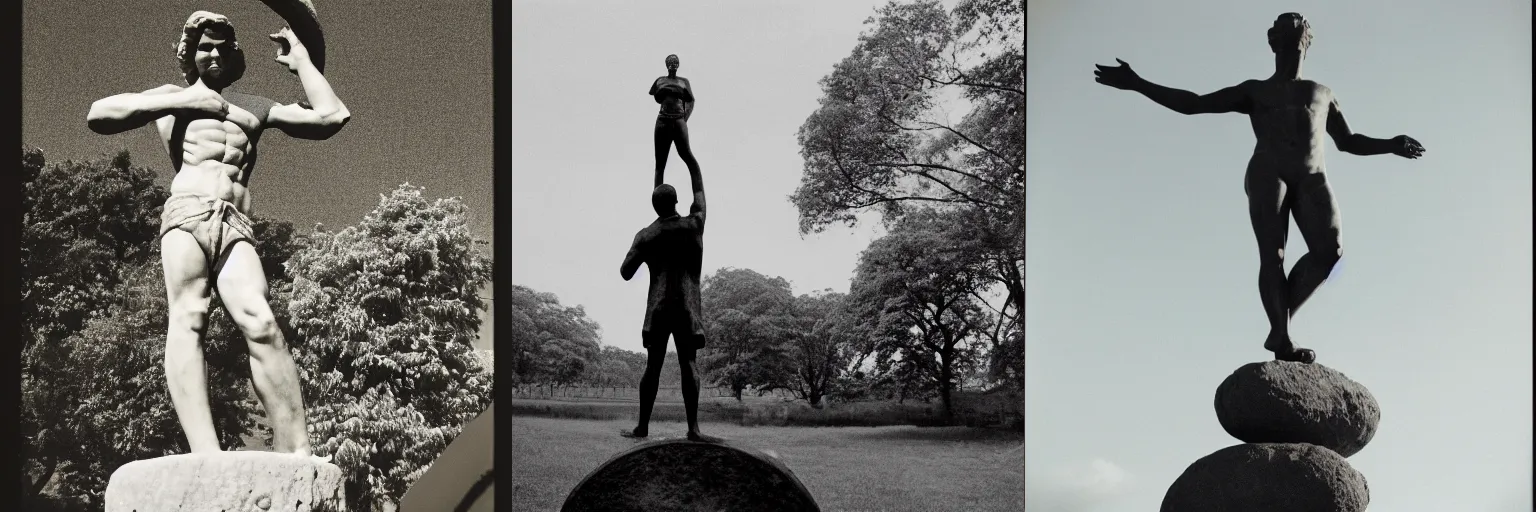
211,52
672,63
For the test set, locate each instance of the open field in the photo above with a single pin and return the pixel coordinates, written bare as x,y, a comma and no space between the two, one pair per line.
894,468
748,412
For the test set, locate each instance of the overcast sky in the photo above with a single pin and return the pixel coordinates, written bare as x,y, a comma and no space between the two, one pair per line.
582,158
416,77
1143,269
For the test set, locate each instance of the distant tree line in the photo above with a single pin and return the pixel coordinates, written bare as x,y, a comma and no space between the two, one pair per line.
380,316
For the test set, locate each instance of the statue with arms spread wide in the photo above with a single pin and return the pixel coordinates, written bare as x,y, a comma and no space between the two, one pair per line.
1290,117
211,135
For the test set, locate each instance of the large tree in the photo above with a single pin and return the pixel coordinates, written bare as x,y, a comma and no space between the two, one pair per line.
385,315
921,280
746,315
83,224
552,344
825,338
881,138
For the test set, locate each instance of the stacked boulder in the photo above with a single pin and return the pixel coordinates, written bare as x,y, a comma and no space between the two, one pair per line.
1298,422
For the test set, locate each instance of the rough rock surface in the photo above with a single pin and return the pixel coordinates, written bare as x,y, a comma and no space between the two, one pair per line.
1269,478
683,475
1286,402
227,481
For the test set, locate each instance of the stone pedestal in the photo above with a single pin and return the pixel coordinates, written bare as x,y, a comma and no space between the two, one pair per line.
1300,422
1281,402
1268,477
227,481
683,475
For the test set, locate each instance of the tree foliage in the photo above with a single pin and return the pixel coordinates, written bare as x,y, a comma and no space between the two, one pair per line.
922,281
552,344
827,340
881,138
747,316
93,381
386,313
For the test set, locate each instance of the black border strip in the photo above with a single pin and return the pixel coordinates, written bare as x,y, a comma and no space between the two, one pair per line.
501,103
10,254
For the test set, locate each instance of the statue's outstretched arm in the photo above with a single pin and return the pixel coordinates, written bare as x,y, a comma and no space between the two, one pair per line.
1231,99
1358,144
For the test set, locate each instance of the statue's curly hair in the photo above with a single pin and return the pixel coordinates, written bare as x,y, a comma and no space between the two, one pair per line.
1285,30
192,32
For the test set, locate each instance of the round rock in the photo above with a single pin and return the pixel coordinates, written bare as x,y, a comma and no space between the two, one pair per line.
678,474
1287,402
1269,478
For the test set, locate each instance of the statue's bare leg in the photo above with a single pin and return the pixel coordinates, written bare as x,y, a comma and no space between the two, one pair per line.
686,362
663,140
243,289
1269,209
684,146
656,355
186,374
1317,216
670,132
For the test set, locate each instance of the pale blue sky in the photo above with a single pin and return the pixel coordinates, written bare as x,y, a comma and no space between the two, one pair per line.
1142,289
582,158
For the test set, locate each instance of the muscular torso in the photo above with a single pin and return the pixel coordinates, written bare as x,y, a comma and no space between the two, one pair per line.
1290,123
673,94
213,156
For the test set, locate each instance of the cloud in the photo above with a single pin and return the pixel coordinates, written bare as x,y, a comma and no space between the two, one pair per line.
1079,487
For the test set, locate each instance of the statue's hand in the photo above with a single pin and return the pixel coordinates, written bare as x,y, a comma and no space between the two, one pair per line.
1119,77
204,100
1406,147
292,52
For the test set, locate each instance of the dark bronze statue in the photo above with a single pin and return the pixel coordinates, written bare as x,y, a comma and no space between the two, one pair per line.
1285,176
675,95
672,248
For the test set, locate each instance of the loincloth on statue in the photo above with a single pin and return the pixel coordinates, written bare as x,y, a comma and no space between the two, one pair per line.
215,223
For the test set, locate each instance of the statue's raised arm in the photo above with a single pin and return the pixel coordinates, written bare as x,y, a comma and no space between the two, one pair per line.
326,114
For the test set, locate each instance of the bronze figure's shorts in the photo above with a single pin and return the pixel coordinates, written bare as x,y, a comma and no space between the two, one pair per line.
678,325
214,222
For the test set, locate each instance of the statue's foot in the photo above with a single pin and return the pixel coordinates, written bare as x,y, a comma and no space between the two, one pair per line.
1277,343
638,433
1300,355
701,438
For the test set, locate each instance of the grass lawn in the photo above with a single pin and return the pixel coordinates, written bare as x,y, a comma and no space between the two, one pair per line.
846,468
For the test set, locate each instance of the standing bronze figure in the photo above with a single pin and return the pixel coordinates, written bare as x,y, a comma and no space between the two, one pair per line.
675,94
1285,176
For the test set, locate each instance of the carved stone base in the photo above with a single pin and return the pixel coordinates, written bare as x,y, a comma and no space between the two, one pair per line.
227,481
684,475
